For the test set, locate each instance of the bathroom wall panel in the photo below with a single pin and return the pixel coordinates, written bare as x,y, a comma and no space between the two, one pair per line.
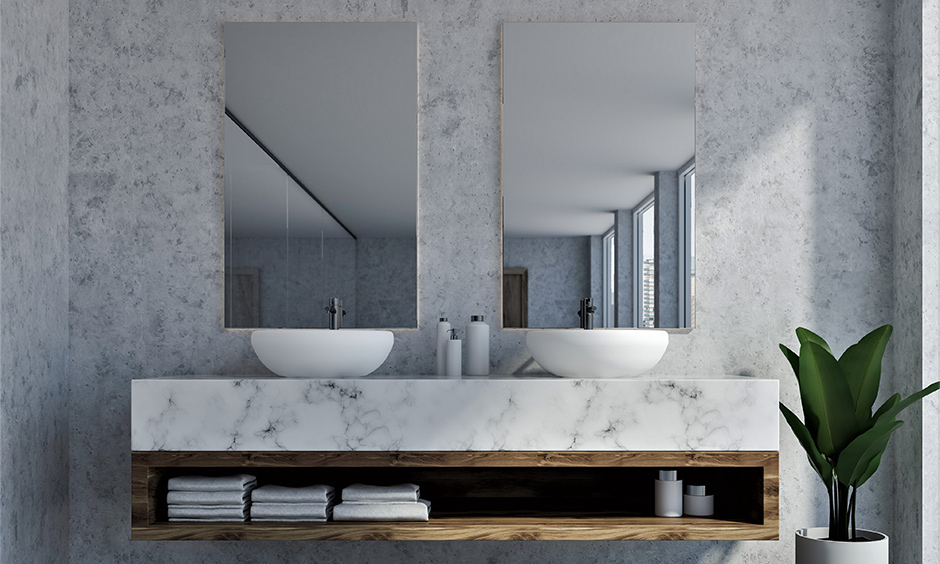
34,284
917,278
794,171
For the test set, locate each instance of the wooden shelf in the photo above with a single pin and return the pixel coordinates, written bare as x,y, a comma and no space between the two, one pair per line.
484,495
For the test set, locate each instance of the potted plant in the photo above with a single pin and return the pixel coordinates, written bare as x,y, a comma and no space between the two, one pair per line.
843,438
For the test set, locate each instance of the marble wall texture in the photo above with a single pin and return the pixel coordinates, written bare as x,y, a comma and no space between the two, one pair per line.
795,168
34,126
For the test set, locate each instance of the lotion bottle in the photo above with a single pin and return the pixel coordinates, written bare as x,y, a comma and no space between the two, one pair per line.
454,355
442,329
696,503
478,347
668,494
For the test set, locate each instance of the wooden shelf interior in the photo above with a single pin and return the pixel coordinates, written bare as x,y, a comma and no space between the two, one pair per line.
490,495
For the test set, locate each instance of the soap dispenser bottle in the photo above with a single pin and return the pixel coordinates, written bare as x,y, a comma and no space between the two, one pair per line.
668,494
478,347
443,327
454,355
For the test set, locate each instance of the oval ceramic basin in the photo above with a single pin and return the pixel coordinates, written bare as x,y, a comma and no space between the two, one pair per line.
322,353
597,353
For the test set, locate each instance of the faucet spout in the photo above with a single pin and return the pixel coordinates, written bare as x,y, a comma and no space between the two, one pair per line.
586,313
336,313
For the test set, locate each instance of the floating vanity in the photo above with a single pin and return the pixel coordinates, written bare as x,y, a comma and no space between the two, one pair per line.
512,458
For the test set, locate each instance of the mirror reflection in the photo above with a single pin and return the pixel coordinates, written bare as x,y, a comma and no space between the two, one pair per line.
598,174
320,174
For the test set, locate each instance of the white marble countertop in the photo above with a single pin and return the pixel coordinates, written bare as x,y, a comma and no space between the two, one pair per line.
419,413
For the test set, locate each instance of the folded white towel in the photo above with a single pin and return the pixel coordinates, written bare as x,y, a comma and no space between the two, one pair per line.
291,510
289,519
238,482
400,492
207,512
283,494
176,497
206,520
395,511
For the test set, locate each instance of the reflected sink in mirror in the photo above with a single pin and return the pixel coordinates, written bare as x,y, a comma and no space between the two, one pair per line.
597,353
322,353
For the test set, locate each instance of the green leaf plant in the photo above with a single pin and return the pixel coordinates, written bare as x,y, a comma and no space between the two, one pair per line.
843,439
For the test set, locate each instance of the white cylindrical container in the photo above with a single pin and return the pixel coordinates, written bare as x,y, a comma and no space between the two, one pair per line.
454,355
478,347
668,498
814,547
442,328
696,503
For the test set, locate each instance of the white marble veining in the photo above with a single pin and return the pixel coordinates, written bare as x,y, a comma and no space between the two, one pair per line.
265,414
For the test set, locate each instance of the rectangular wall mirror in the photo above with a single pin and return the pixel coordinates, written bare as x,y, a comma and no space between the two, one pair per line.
598,173
321,173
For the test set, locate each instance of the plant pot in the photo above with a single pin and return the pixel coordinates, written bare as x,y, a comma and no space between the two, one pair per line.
813,547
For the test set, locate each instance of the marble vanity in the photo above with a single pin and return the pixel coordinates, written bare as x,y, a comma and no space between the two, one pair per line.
494,452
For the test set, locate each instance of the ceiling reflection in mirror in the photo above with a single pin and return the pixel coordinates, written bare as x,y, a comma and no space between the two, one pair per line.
598,174
320,174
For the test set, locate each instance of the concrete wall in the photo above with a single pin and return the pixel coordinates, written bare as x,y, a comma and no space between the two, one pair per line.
34,264
916,451
559,271
375,278
795,173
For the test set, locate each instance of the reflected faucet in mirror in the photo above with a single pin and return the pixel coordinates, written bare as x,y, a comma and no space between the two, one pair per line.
337,313
586,313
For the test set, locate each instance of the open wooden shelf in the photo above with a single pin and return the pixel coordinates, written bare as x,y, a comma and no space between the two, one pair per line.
484,495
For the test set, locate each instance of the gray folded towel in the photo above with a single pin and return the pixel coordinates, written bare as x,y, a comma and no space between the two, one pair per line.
400,492
175,497
238,482
291,510
283,494
207,512
383,511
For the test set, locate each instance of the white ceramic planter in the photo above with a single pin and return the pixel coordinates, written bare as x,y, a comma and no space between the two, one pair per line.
812,547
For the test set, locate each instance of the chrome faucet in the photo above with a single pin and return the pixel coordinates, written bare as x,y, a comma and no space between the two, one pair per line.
587,313
336,313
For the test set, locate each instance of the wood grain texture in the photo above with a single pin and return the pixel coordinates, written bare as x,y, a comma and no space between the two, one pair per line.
494,528
484,495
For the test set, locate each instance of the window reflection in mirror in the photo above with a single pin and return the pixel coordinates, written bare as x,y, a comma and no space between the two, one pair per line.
320,148
598,127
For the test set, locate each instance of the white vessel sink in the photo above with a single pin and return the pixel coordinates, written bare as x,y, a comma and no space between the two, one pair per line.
322,353
597,353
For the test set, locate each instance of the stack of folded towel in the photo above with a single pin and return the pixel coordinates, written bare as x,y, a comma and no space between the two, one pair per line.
382,503
280,503
205,498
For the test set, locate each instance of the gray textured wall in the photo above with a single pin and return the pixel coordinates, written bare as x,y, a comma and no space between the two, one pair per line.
34,128
294,292
387,282
917,278
375,278
668,213
559,276
795,173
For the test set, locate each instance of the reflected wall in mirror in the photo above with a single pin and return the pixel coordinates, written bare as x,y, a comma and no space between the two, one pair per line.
598,173
321,175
